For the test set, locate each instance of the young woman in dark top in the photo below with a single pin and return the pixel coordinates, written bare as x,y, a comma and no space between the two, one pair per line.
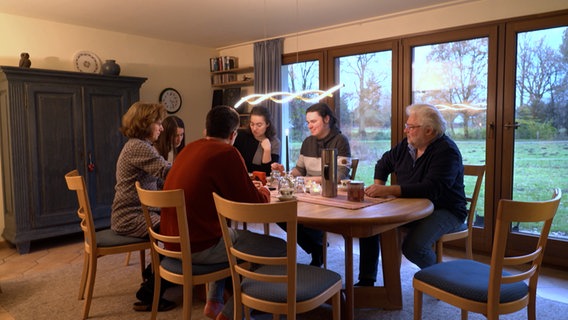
258,143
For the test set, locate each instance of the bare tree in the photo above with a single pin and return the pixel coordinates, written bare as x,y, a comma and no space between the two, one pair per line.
301,76
368,89
539,75
463,70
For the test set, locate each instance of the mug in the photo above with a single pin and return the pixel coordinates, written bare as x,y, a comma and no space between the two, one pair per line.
356,191
259,176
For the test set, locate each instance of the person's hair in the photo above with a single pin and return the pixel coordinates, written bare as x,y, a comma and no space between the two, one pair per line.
166,140
324,110
137,120
221,121
263,112
428,116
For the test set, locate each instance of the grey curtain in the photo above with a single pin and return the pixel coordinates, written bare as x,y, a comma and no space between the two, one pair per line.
267,75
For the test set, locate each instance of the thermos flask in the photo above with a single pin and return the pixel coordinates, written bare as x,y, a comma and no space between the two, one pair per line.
329,173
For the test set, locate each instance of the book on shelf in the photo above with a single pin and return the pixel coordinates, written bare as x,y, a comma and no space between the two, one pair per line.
223,78
223,63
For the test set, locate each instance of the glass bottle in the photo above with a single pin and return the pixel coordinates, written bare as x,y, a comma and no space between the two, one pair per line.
287,186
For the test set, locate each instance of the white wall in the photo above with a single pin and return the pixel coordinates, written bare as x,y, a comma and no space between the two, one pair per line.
408,23
165,64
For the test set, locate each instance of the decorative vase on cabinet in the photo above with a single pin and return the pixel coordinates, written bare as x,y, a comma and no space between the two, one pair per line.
110,67
51,123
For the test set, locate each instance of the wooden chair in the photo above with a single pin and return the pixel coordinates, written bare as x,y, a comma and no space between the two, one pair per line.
98,243
489,289
176,266
279,285
354,165
476,171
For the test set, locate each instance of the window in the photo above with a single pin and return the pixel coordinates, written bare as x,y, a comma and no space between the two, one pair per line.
502,86
297,77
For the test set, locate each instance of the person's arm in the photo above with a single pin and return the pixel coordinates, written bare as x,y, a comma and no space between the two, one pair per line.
266,150
383,168
237,185
379,189
444,167
144,156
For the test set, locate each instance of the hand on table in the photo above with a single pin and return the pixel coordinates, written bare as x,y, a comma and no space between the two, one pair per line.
382,191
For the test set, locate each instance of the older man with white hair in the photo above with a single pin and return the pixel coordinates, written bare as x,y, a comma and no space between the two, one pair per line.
427,164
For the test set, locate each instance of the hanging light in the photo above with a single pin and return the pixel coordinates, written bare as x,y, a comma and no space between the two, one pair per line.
285,97
311,96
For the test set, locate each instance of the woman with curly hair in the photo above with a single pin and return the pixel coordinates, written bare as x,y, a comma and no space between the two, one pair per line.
138,161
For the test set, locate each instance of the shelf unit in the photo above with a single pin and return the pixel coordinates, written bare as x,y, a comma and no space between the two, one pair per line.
230,78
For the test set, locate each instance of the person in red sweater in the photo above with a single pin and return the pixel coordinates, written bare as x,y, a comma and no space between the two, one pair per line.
208,165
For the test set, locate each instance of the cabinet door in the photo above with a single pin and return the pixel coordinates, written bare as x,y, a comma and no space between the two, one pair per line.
54,147
104,107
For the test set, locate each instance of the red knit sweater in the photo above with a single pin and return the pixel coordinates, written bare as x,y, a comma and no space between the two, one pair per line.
201,168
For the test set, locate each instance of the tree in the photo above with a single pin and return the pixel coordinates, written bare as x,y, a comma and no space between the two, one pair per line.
541,79
368,92
462,69
301,76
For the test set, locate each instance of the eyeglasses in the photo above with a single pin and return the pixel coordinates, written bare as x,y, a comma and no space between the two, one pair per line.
410,127
258,124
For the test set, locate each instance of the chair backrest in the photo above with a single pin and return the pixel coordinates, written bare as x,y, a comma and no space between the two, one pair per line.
509,211
284,212
77,183
476,171
168,199
354,165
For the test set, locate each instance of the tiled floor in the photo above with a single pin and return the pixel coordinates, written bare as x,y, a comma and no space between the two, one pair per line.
54,253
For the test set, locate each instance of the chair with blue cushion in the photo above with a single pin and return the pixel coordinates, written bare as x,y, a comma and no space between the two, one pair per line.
508,283
175,266
277,285
98,243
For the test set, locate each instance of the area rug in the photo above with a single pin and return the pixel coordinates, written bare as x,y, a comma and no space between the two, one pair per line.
53,295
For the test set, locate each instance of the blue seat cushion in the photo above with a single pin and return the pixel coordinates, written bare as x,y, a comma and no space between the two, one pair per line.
174,265
311,281
108,238
468,279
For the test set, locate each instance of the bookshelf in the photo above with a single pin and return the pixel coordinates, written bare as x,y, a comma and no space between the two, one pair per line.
236,77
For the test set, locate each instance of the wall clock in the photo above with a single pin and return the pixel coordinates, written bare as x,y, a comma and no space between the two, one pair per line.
171,98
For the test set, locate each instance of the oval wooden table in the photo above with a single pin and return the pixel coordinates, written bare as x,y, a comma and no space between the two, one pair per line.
382,218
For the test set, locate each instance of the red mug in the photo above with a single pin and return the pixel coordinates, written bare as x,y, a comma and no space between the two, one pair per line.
259,176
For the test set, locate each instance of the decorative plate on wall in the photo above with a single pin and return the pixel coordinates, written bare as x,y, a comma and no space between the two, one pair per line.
86,61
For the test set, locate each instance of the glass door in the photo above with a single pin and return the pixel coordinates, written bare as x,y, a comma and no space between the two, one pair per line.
297,76
452,72
364,105
536,121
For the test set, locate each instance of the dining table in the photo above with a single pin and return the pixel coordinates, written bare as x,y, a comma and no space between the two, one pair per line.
351,220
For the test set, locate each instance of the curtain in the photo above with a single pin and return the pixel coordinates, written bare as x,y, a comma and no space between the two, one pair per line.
267,75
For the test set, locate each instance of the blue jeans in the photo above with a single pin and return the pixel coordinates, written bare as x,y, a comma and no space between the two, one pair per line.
255,243
423,234
417,245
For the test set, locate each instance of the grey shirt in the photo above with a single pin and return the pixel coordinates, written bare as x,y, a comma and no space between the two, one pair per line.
138,161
